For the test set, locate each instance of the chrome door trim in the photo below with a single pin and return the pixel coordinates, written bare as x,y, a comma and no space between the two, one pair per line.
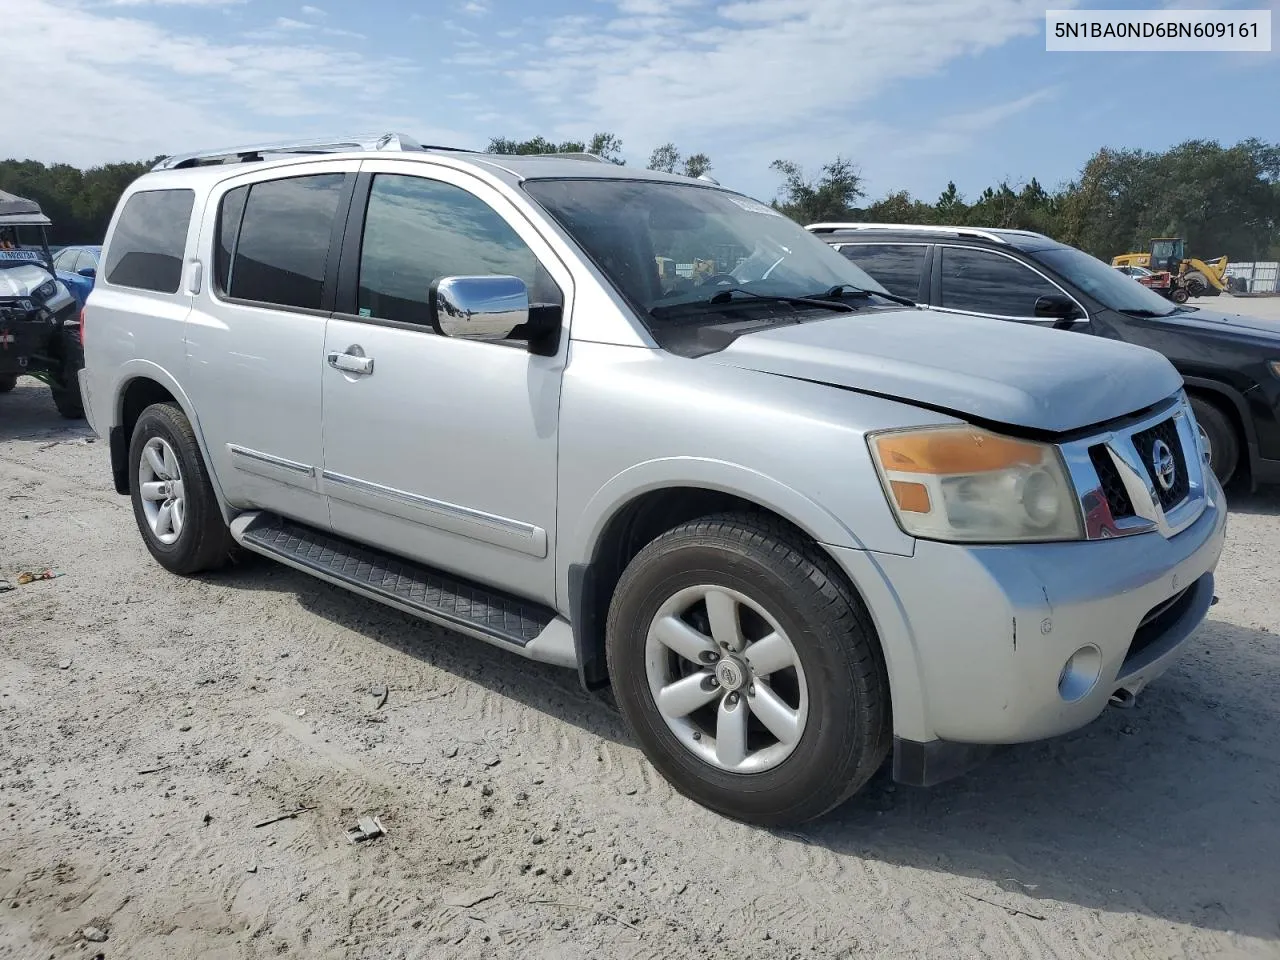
1022,263
272,468
467,522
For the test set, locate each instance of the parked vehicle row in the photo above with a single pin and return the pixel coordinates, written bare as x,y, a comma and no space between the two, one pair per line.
799,523
1229,363
39,315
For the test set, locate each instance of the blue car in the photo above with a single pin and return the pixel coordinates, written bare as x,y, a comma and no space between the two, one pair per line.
77,267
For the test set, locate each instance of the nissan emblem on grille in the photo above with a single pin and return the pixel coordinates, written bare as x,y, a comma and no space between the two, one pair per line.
1166,468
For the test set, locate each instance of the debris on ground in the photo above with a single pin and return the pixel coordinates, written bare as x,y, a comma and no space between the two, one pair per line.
282,816
28,577
95,934
377,696
6,585
300,712
64,664
366,829
469,898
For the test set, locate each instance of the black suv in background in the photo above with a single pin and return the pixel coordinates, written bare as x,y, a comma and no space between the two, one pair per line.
1231,363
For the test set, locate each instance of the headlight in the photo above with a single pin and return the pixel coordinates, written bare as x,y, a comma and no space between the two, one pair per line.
46,290
967,484
1275,367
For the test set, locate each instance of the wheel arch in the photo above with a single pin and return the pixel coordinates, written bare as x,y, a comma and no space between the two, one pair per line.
1232,403
141,384
616,533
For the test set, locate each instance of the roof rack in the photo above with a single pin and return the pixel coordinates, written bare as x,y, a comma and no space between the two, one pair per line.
913,227
255,151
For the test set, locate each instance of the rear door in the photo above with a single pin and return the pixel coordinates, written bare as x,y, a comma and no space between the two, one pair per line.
900,268
991,284
255,340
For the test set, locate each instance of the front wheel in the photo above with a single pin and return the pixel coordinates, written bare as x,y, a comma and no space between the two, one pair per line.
1218,434
173,500
749,670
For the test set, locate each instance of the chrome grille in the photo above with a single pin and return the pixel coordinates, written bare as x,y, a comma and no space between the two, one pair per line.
1116,477
1144,442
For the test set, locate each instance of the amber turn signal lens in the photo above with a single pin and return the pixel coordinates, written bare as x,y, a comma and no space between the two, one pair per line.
962,450
911,497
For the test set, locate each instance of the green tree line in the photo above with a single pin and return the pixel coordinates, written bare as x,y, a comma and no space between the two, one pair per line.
1225,200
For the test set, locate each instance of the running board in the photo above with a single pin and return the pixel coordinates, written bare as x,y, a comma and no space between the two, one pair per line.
530,629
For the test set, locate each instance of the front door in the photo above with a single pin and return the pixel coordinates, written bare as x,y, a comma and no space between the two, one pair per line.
440,449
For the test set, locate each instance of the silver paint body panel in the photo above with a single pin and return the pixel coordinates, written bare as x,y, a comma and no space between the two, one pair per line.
506,468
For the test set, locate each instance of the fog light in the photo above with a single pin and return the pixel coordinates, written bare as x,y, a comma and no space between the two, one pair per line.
1080,673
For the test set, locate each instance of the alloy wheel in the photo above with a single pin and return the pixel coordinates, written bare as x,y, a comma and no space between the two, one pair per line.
160,485
726,679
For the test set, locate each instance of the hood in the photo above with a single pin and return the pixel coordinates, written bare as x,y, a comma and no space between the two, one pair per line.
1226,323
993,370
22,280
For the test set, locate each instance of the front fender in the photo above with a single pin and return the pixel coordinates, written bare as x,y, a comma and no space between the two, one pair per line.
707,474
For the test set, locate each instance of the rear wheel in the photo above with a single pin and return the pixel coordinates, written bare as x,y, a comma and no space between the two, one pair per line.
749,670
173,499
8,381
1218,433
1197,283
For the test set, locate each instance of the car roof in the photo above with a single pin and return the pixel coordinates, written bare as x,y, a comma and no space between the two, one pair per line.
203,168
993,237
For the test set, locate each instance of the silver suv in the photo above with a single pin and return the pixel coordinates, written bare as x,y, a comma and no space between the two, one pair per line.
647,428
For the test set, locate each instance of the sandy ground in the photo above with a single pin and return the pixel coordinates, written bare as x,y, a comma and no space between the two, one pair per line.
521,820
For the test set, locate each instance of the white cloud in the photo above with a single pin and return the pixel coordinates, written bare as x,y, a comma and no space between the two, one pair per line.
311,11
958,132
175,3
288,24
143,90
475,8
653,71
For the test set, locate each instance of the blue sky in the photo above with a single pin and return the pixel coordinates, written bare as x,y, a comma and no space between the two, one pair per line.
914,92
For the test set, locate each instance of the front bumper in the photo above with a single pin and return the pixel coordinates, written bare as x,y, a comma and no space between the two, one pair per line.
977,638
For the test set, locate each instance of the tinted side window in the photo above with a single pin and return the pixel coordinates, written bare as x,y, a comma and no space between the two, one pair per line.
896,266
230,211
149,240
419,230
982,282
284,240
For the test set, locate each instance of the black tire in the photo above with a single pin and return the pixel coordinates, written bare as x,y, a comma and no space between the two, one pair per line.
8,381
1197,283
65,385
849,730
1223,439
204,543
66,397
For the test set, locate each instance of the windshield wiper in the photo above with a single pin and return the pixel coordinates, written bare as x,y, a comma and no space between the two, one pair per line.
1144,312
724,297
849,290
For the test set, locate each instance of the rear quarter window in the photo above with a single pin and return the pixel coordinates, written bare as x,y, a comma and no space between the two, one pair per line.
149,241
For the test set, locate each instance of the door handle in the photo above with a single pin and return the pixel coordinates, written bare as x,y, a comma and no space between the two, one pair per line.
351,363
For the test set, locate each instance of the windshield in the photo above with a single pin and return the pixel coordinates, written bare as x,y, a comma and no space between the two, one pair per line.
666,244
1105,284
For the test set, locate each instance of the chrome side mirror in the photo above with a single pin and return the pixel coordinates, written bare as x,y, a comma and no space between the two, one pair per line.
478,308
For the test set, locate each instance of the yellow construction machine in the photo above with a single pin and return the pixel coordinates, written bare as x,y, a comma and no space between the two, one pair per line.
1200,278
